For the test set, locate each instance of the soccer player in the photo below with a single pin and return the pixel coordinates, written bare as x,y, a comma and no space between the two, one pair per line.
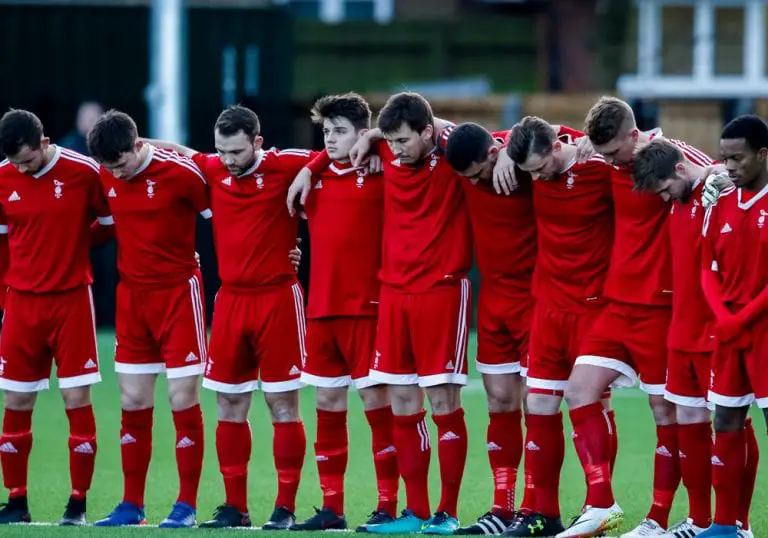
734,280
345,212
628,338
574,214
49,197
424,304
258,328
155,196
660,167
504,232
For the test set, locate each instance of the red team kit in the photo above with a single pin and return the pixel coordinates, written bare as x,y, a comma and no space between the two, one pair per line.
578,269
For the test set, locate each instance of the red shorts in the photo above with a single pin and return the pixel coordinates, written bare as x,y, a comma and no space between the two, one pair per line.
422,337
161,330
39,329
339,351
739,377
688,377
632,340
257,336
502,332
556,338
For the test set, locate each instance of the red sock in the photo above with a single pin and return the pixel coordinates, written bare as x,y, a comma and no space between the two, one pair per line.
190,445
666,474
728,462
528,504
15,445
413,454
136,451
82,449
614,438
505,450
452,453
384,458
233,446
592,438
332,454
289,448
750,474
545,446
695,443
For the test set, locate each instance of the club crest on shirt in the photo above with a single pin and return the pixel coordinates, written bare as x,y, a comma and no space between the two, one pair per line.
695,208
360,179
570,181
151,188
433,162
57,185
761,218
259,181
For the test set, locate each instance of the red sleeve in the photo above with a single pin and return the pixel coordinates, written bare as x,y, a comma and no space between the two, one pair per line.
102,229
293,160
4,258
202,161
502,136
442,136
320,162
711,282
569,131
196,189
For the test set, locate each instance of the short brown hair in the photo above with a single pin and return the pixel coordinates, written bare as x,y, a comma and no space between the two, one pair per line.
237,118
405,107
112,135
532,135
654,163
606,119
349,105
19,128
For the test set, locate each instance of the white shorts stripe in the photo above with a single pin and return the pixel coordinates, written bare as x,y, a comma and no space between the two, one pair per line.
93,323
461,329
198,311
298,302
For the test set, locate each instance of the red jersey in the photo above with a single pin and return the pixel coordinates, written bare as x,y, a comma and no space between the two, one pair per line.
252,230
641,266
691,314
155,213
427,233
345,212
736,243
574,214
504,232
48,217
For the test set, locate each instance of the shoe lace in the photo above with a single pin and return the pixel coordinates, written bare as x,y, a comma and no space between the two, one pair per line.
378,517
574,519
281,512
486,516
218,511
178,512
439,518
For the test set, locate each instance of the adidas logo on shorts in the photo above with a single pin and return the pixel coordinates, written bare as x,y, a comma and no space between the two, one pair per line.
8,448
90,364
185,442
127,438
112,193
191,358
84,448
295,370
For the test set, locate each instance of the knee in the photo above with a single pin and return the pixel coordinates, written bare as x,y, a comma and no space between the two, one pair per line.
576,394
729,420
77,397
283,406
500,402
233,407
444,399
374,397
134,399
664,412
20,401
542,404
183,393
332,399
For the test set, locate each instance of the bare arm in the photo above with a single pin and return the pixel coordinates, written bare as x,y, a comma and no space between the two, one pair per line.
178,148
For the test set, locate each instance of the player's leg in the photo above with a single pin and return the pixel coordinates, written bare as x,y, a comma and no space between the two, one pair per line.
687,385
25,366
732,394
137,362
74,347
603,362
280,341
502,335
439,332
179,313
394,365
649,353
326,370
232,372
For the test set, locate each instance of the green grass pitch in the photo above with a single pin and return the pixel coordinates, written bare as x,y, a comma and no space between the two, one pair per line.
49,477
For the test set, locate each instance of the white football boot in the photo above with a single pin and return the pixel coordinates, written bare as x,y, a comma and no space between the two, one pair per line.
594,522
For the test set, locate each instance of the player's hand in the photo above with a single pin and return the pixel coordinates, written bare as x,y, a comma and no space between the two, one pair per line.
360,150
374,165
730,330
584,149
504,177
197,259
300,188
714,185
295,255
